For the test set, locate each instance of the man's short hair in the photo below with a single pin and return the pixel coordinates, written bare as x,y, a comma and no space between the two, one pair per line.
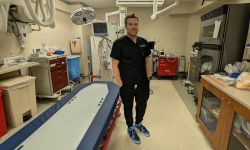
130,16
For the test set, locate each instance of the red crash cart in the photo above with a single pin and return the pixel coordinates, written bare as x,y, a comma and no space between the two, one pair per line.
167,66
3,126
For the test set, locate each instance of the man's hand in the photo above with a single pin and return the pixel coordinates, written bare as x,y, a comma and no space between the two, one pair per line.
116,72
147,61
119,83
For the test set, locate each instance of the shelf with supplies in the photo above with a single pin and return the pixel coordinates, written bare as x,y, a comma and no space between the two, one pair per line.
213,111
242,139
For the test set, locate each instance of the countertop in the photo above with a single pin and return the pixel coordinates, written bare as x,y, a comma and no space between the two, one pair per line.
6,69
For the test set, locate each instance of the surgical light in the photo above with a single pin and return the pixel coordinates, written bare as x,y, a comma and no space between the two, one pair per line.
83,16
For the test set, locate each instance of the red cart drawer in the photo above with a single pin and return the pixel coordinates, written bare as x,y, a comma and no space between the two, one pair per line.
167,66
57,63
3,126
169,60
167,72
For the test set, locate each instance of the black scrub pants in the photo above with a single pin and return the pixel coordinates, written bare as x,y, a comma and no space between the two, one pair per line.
139,92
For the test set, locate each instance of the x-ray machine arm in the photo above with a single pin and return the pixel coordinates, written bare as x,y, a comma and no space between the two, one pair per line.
156,12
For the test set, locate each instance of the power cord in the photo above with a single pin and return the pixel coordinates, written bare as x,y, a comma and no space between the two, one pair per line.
18,33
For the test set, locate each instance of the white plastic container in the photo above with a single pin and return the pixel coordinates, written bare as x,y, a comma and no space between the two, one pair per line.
19,99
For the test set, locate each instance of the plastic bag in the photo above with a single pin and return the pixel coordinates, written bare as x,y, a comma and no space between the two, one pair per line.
243,81
206,66
225,79
230,69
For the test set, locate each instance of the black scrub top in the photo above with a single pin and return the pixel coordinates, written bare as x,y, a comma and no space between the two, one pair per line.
132,56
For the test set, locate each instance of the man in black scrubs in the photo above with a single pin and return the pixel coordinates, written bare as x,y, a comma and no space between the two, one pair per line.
130,64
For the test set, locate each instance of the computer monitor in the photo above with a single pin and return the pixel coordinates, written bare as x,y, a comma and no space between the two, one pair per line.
100,28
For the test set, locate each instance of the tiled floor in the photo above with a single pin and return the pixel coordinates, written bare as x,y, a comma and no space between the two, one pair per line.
171,125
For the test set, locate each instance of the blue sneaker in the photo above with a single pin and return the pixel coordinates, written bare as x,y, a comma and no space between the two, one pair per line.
142,129
133,135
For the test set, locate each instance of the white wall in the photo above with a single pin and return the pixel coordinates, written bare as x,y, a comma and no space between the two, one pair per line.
170,32
59,36
193,32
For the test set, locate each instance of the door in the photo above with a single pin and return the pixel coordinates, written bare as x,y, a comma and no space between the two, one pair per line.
240,129
211,111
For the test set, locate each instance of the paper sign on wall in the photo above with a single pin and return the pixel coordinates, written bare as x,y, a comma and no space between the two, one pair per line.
76,46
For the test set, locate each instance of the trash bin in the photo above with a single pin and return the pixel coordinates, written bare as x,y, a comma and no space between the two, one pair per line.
73,67
3,126
19,99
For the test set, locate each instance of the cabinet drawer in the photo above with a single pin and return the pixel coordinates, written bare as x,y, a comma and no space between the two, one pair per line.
58,60
59,79
59,82
59,72
167,72
167,65
57,63
168,60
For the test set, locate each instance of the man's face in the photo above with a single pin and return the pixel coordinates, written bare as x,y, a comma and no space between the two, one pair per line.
132,26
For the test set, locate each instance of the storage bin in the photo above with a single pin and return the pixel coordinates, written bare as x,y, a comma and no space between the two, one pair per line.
3,126
73,67
19,99
59,52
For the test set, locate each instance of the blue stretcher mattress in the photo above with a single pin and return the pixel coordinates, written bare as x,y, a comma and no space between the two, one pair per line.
78,121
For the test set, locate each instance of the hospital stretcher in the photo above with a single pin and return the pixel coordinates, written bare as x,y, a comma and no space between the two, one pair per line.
78,121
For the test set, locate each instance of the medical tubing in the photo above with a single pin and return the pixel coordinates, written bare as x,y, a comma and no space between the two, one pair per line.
37,7
5,18
42,10
48,7
35,17
51,9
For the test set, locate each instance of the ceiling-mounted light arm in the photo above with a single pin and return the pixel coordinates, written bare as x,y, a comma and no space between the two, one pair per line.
111,14
155,7
121,12
168,8
156,12
76,2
